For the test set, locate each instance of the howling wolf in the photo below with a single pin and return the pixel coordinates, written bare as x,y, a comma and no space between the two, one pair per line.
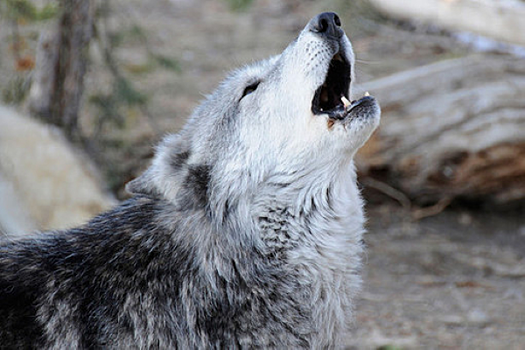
245,232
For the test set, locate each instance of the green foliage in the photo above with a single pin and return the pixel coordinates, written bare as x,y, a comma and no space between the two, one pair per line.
26,10
123,97
167,62
154,61
389,347
239,5
126,93
16,90
47,12
18,13
137,32
108,110
103,10
140,68
20,9
110,105
116,39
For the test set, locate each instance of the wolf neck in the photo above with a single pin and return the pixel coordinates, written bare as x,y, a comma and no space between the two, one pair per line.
311,202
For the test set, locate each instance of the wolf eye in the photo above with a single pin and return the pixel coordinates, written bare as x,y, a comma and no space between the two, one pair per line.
250,88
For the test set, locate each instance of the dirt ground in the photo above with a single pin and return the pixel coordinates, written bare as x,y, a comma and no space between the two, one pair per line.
451,281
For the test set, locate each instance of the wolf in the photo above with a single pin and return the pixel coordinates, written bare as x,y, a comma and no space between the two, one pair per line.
245,232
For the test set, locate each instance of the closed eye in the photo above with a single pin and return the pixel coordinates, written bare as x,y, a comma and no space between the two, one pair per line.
250,88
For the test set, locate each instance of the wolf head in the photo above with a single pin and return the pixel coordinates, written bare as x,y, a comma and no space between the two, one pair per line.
280,122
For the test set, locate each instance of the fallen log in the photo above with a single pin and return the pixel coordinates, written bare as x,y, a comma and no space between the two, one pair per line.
451,129
501,20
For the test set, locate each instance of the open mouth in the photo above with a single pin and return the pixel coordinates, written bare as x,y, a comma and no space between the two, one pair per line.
328,98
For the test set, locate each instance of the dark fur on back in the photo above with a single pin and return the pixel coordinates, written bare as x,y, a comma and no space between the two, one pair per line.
83,280
92,269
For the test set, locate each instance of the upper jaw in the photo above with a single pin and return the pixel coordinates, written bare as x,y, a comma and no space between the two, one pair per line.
331,98
328,97
323,59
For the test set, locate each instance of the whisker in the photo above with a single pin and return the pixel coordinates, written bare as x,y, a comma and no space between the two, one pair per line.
358,60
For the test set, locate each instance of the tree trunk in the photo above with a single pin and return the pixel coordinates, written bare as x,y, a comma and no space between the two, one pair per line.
451,129
61,65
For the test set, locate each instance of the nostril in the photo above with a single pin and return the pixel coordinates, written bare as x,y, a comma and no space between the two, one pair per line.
337,21
327,24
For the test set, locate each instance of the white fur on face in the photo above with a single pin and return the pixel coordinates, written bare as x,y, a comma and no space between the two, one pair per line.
272,130
275,123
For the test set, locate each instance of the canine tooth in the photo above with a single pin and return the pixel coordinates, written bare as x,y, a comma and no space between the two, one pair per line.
346,103
367,93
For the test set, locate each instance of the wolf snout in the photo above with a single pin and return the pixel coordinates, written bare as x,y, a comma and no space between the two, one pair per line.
327,24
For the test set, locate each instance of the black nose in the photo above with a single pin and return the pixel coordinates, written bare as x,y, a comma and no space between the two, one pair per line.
327,23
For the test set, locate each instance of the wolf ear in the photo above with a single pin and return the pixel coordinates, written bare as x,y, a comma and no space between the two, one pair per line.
144,184
162,178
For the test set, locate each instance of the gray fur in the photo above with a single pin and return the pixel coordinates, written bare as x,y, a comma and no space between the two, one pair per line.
244,233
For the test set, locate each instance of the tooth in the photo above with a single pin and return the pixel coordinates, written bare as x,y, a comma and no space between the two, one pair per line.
346,103
367,93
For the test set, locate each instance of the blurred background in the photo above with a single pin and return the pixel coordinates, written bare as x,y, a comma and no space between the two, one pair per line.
88,87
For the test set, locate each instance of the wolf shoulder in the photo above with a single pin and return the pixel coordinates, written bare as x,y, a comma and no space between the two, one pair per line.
83,277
